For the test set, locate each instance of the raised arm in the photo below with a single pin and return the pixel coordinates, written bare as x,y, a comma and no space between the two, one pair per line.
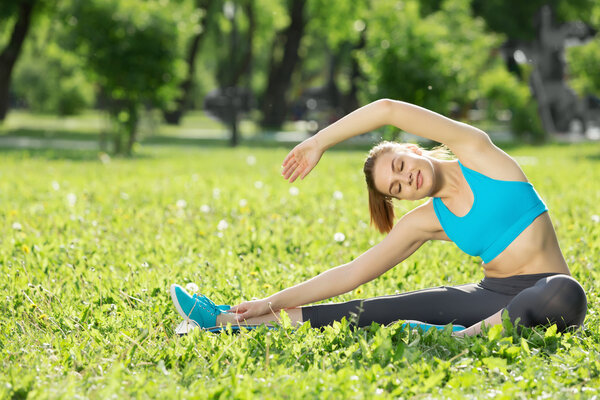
461,138
404,239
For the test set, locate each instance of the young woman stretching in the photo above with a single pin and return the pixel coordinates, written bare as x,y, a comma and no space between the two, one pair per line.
482,202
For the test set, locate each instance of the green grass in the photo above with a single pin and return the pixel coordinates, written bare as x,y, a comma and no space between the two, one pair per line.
88,250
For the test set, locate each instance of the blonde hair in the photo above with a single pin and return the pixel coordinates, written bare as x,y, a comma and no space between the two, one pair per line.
380,205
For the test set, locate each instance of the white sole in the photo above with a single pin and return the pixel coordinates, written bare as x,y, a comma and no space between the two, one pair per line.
177,306
185,327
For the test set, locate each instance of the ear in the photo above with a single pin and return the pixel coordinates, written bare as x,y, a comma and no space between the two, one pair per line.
414,148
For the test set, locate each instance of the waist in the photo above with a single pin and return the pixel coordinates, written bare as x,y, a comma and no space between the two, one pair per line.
513,285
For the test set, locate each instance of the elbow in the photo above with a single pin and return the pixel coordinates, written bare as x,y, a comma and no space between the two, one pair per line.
385,109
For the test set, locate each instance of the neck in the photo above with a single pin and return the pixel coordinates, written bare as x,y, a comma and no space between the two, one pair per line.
448,178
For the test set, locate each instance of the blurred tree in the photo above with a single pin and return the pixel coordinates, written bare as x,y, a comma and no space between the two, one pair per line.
341,25
283,60
21,11
433,61
48,78
130,49
584,61
516,18
205,15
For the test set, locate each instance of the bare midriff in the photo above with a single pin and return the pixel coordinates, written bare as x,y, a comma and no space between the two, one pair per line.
534,251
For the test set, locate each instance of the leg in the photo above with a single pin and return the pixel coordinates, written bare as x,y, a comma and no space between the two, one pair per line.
557,299
463,305
476,329
295,315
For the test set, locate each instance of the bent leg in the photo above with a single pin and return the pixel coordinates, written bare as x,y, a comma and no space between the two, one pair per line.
464,305
557,299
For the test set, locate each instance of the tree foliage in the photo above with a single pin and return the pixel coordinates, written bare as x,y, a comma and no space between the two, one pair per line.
584,61
130,50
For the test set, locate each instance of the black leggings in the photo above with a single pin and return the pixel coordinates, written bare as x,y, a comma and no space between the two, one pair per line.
535,299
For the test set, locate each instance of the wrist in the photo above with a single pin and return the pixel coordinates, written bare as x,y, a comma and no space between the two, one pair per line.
320,141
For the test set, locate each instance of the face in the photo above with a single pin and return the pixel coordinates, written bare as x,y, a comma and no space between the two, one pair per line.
404,175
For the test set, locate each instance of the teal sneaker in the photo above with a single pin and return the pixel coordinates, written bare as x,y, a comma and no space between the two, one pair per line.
425,327
199,309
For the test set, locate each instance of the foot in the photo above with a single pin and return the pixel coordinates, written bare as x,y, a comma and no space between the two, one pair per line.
198,309
425,326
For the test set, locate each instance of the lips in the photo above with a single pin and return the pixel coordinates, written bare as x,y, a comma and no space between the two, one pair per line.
419,180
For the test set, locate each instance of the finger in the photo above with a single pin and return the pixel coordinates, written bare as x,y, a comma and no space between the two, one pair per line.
291,171
288,158
290,165
296,175
306,171
241,317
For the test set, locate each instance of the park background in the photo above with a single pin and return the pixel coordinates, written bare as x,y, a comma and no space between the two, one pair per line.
140,145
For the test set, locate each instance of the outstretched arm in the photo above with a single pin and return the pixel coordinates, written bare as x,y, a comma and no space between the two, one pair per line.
404,239
461,138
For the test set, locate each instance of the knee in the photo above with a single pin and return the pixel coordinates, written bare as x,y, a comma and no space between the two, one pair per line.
558,299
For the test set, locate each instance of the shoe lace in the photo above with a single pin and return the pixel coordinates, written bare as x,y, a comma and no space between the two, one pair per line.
203,298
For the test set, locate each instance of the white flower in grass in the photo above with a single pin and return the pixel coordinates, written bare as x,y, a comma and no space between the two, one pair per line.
243,202
596,218
205,208
251,160
17,226
337,195
104,158
192,287
181,203
294,191
258,185
222,225
216,193
339,237
71,199
55,185
124,196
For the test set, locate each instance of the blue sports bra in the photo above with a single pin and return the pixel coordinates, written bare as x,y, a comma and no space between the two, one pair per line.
501,211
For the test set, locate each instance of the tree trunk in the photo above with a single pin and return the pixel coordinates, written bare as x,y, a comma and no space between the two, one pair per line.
131,128
242,68
10,54
350,99
182,103
274,102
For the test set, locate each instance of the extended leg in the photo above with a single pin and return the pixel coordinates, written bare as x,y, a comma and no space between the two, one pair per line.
464,305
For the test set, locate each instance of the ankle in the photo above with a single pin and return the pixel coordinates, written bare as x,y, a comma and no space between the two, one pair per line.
225,318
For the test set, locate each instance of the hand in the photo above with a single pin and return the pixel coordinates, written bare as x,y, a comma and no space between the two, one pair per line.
250,309
302,159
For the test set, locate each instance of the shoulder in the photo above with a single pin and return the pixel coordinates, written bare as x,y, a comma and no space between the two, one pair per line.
485,157
422,223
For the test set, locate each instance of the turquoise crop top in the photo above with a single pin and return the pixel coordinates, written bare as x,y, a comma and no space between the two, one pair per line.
501,211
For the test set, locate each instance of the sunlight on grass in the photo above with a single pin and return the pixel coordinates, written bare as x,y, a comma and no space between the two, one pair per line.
89,248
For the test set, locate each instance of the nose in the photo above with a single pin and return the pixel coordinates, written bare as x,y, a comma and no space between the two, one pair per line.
406,177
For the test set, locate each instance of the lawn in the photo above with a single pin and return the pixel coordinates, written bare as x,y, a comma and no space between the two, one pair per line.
89,246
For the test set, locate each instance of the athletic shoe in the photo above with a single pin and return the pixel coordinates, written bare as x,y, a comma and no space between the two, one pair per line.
425,327
199,309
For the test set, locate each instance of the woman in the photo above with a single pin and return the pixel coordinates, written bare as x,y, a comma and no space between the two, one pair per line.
482,202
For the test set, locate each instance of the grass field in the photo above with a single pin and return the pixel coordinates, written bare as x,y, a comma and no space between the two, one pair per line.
89,246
